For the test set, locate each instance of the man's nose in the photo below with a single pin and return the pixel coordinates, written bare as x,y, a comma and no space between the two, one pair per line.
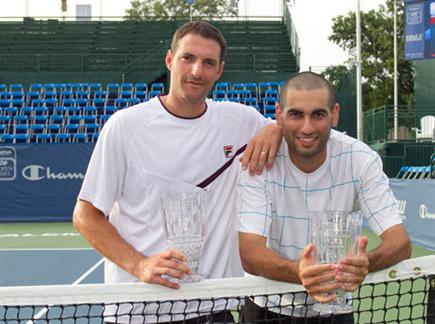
307,126
196,69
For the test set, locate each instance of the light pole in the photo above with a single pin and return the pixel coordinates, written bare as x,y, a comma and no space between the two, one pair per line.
396,112
359,112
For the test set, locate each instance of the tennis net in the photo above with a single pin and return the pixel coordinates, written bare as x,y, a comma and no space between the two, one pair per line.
404,293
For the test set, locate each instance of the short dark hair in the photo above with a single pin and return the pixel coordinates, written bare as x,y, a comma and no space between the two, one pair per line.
203,29
307,81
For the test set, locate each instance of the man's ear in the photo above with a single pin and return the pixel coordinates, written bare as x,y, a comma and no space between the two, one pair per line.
278,115
335,114
168,59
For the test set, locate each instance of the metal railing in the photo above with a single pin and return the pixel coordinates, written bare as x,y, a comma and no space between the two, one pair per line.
379,123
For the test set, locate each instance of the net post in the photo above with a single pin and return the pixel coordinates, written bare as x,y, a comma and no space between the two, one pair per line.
431,300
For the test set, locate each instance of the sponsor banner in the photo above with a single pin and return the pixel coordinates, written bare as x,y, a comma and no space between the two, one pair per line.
40,182
417,207
414,30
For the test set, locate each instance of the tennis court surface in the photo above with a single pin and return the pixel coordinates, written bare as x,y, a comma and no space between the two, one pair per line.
54,256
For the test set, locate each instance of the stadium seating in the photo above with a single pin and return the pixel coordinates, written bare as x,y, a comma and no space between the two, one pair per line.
76,112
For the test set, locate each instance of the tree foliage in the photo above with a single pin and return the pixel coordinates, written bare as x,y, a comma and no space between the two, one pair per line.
377,54
180,9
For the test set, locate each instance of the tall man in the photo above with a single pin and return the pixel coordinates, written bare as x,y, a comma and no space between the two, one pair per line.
317,168
179,140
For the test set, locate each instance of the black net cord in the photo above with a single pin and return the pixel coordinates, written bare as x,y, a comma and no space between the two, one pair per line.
431,300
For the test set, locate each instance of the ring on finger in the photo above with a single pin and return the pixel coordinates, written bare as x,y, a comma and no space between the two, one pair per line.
263,153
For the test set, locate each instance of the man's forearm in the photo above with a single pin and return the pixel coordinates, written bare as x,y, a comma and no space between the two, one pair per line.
98,231
262,261
394,248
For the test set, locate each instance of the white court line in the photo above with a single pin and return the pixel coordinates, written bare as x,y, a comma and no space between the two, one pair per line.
46,249
43,311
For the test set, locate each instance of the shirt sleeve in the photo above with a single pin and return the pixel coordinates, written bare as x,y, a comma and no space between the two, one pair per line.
106,170
253,204
375,197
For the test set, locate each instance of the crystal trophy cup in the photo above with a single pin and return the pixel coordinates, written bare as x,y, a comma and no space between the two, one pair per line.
184,215
335,235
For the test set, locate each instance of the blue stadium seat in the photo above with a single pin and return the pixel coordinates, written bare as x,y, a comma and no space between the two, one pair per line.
10,111
40,111
35,87
238,86
32,95
19,103
219,94
126,86
22,119
269,109
79,138
21,138
99,94
53,128
27,111
121,103
6,138
141,95
49,87
133,101
40,119
225,86
3,129
62,138
3,87
78,86
89,110
89,119
245,93
112,91
81,102
94,87
71,128
5,103
57,119
69,102
251,87
17,95
110,110
91,128
126,94
250,101
21,129
81,94
158,86
67,94
50,95
273,85
5,95
43,138
269,101
73,111
233,94
153,93
38,103
16,87
74,119
59,87
99,103
37,129
140,87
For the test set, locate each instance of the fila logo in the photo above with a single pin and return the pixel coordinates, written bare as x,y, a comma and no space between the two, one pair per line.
228,150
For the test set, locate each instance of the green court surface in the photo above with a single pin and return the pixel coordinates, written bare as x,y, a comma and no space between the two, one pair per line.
40,236
64,235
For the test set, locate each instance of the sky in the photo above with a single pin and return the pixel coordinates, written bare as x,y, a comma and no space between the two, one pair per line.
312,19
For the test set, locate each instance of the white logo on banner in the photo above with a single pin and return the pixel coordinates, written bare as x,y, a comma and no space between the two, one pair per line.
401,205
424,212
36,172
8,163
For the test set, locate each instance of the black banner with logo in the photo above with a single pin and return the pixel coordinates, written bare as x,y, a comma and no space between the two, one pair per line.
40,182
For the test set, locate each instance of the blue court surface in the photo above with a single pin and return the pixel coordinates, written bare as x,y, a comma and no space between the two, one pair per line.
30,267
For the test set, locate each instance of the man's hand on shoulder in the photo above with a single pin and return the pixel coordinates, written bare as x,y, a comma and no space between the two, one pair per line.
261,149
